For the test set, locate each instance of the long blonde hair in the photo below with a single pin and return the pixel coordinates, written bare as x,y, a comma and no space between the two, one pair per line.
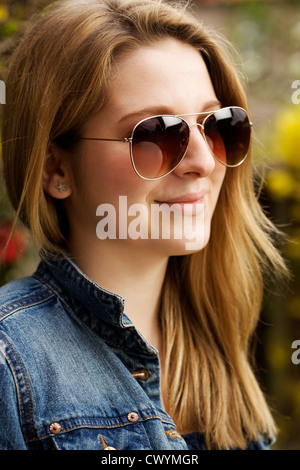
211,300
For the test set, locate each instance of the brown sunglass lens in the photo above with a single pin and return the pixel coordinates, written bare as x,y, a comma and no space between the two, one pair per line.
158,145
227,132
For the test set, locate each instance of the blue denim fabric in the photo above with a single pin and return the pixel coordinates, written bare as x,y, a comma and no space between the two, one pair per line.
74,372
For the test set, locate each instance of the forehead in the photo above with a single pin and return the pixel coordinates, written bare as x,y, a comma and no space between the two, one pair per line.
168,73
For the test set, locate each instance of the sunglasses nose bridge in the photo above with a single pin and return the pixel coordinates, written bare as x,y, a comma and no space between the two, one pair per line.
190,126
202,131
206,165
200,125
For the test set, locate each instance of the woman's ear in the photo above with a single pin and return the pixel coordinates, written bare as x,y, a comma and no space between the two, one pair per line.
56,173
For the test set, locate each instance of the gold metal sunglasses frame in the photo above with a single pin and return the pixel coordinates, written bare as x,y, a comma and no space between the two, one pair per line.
207,114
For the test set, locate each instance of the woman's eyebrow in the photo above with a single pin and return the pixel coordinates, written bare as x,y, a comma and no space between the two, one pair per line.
149,111
157,110
211,105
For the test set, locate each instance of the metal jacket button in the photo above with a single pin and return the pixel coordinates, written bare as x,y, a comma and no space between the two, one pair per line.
133,417
141,374
55,428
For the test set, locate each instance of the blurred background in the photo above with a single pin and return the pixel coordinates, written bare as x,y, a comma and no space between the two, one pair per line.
266,34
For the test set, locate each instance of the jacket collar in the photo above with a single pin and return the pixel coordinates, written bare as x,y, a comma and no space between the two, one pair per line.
82,292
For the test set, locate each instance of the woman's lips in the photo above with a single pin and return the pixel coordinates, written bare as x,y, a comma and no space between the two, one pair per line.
190,203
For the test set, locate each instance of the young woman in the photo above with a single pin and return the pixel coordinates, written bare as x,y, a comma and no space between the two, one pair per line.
125,337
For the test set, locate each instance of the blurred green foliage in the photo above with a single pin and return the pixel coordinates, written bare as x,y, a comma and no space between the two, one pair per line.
267,34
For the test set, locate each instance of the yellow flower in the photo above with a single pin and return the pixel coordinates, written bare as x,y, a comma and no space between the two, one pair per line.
280,183
3,13
286,136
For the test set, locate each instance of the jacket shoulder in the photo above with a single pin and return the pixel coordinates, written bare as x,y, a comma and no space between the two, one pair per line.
21,294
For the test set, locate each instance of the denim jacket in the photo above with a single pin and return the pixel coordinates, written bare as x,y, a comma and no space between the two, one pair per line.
75,373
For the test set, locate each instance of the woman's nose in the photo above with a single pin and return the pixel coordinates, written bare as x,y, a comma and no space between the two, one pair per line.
198,158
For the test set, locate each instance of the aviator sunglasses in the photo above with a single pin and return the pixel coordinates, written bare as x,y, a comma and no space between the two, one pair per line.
159,143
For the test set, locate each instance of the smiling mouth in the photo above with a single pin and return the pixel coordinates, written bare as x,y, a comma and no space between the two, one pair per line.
190,198
185,198
190,203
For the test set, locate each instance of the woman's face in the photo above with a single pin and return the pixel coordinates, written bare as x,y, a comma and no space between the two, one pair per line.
168,77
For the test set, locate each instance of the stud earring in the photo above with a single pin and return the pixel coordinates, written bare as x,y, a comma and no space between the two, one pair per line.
61,186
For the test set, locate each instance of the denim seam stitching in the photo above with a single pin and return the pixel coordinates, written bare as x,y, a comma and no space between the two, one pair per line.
18,388
108,426
22,303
